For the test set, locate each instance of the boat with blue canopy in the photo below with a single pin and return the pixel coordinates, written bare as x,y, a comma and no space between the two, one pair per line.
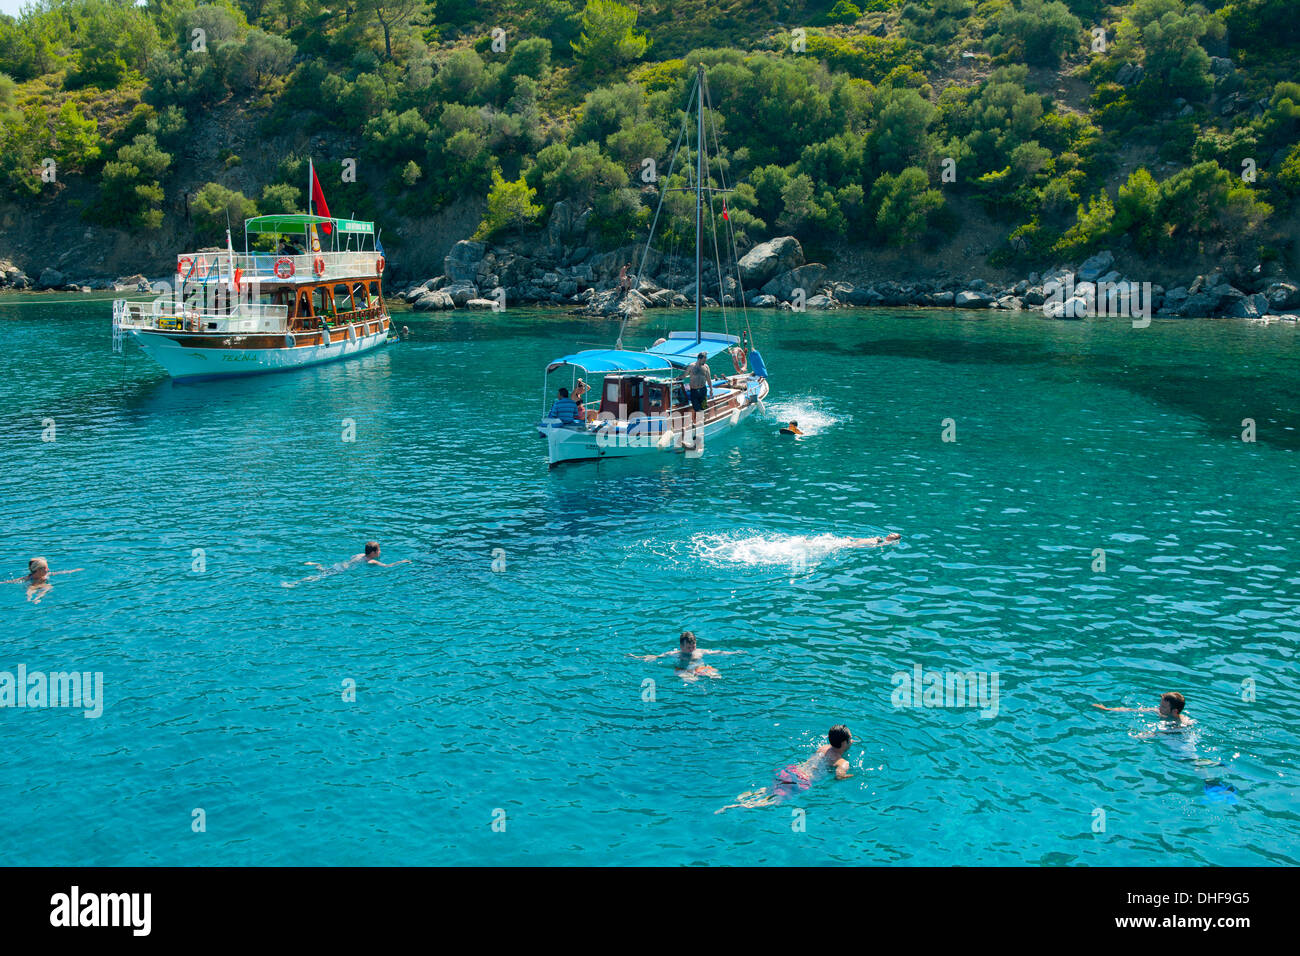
641,401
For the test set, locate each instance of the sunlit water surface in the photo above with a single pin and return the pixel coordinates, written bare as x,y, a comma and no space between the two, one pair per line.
510,695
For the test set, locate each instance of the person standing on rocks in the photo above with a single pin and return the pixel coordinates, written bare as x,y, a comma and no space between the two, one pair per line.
625,279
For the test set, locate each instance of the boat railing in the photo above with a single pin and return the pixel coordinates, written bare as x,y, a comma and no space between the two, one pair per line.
207,267
164,315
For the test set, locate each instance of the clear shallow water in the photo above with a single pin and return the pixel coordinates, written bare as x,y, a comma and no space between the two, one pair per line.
479,690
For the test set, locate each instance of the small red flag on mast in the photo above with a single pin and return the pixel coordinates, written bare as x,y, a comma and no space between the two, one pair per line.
317,204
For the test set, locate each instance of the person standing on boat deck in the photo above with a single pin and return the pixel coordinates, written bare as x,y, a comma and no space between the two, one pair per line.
564,408
698,375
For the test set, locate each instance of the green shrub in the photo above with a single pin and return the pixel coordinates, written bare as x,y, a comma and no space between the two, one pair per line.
509,206
214,206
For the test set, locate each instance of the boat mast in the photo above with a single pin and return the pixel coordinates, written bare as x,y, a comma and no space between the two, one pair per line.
699,202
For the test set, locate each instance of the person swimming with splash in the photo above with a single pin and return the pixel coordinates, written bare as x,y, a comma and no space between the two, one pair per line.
797,777
875,541
689,663
368,556
37,579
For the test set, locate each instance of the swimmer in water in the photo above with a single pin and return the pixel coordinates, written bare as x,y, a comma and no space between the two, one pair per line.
876,541
37,579
800,776
1171,709
791,429
689,656
369,556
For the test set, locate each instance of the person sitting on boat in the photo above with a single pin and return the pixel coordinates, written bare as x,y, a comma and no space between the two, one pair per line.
37,579
564,408
287,248
579,393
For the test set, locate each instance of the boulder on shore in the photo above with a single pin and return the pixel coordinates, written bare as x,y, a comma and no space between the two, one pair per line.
462,263
971,299
768,259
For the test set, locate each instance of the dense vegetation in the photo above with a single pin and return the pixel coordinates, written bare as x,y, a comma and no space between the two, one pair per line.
878,120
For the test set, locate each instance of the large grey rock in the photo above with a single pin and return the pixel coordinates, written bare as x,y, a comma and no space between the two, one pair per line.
462,264
1096,266
821,302
435,301
1240,307
769,259
50,279
461,292
1282,296
972,299
807,277
1201,304
1129,74
764,301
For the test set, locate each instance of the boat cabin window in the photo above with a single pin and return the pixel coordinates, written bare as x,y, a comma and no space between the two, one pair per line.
322,300
656,400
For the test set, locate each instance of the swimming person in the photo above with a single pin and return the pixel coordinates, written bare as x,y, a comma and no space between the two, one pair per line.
689,656
369,556
37,579
792,429
1171,709
800,776
564,408
875,541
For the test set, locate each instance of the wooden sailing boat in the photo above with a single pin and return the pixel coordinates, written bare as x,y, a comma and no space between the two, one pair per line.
641,405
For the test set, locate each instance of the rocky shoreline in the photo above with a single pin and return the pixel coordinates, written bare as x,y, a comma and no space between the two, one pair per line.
561,268
774,274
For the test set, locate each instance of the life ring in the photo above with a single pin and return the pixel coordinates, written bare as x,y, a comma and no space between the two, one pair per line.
201,267
184,267
379,265
318,265
284,261
738,357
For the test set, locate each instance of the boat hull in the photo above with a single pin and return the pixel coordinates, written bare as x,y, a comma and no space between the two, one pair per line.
185,362
649,436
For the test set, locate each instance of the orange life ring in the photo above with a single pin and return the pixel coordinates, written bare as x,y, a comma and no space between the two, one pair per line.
184,266
318,265
283,260
379,265
739,358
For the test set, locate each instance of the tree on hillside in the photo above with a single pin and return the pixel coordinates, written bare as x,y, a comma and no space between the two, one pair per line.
215,205
608,39
393,15
1038,32
509,206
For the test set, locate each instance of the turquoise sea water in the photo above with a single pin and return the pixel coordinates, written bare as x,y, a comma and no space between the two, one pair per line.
481,692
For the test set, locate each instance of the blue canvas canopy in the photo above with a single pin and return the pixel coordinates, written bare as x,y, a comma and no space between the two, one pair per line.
603,361
680,348
676,351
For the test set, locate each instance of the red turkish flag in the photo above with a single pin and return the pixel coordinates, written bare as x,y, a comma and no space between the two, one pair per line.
319,206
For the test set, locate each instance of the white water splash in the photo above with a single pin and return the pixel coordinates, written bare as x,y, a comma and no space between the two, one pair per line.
796,551
807,412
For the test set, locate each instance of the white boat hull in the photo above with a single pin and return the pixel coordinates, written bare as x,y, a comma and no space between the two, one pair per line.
188,363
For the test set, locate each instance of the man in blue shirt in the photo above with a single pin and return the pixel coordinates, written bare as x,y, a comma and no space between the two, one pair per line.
565,408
